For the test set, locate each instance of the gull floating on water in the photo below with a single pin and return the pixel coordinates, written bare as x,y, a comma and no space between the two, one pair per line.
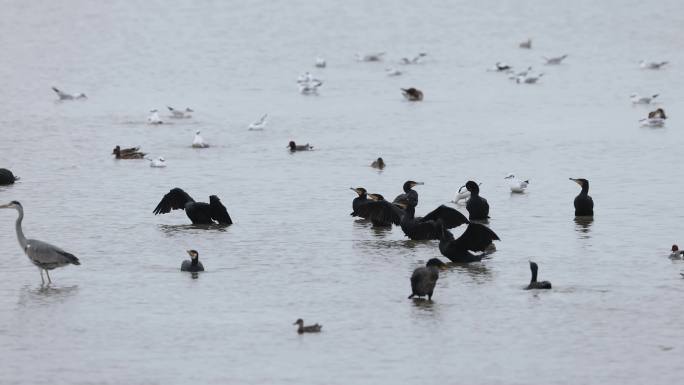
417,59
320,62
636,99
377,56
652,65
65,96
259,124
526,44
158,162
154,118
652,122
180,114
528,79
199,142
554,60
310,87
521,73
392,72
516,185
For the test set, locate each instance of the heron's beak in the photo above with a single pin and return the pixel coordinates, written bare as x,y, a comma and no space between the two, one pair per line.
5,206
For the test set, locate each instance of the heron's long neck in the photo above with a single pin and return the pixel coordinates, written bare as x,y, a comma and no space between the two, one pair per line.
20,233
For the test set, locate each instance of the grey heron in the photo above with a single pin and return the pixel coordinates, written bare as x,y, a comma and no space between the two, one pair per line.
42,254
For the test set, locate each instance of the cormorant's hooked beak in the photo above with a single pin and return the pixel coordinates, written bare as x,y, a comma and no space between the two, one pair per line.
418,184
579,182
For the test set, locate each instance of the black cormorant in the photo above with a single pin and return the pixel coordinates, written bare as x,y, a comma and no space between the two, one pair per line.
315,328
378,163
533,282
200,213
299,147
6,177
412,94
409,196
381,212
477,237
358,201
584,205
429,226
676,253
193,264
423,279
477,206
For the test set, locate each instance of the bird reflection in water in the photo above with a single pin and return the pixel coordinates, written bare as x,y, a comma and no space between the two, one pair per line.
45,293
477,271
172,230
583,225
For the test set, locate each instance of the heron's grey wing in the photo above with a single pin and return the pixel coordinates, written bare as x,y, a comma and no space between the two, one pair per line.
175,199
450,217
48,255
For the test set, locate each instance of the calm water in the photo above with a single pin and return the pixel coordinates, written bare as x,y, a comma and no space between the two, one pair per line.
128,315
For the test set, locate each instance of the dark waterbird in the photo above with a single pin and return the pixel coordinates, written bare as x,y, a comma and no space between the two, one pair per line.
534,284
315,328
412,94
380,212
409,196
424,279
200,213
193,264
584,205
477,206
6,177
299,147
42,254
128,153
378,163
477,237
429,226
361,199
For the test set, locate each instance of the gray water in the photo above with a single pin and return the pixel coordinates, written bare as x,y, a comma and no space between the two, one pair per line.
128,315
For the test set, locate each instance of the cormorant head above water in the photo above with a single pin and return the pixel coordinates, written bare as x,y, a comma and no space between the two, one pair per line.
533,281
409,196
359,190
473,187
192,265
584,204
378,163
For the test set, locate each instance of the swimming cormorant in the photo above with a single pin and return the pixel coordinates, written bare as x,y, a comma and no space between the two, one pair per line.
193,264
200,213
378,163
299,147
429,226
409,196
6,177
533,282
423,279
315,328
477,237
584,205
477,206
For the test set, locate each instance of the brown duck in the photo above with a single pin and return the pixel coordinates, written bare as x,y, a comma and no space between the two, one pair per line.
128,153
315,328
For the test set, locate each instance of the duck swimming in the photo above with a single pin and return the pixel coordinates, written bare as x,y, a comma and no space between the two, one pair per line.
477,206
651,65
636,99
584,205
299,147
315,328
424,279
526,44
6,177
554,60
477,237
533,282
676,253
415,60
159,162
128,153
193,264
409,196
378,163
412,94
154,118
376,56
198,141
200,213
516,185
429,226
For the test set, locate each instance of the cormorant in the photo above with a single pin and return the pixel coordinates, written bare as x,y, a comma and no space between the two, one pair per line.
429,226
412,94
409,196
200,213
193,264
584,205
533,282
6,177
128,153
478,208
477,237
423,279
358,201
299,147
676,253
381,212
378,163
315,328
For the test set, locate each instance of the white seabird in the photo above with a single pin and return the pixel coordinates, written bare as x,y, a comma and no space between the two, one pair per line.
320,62
377,56
154,118
311,87
516,185
636,99
158,162
199,142
392,72
64,96
259,124
554,60
180,114
651,65
416,59
652,122
528,79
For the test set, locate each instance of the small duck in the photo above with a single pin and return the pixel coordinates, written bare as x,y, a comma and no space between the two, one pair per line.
533,282
193,264
180,114
554,60
128,153
6,177
199,142
412,94
154,118
378,163
392,72
424,279
320,62
636,99
299,147
315,328
158,162
260,124
377,56
517,186
527,44
65,96
651,65
676,253
415,60
657,114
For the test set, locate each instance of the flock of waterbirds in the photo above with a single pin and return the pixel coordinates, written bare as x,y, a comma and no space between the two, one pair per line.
475,243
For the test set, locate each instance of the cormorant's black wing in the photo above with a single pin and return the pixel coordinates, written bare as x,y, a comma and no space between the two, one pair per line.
381,211
410,198
218,211
450,217
477,237
175,199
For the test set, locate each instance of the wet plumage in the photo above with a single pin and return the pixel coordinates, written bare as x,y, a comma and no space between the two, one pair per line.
378,163
534,284
477,237
6,177
380,212
424,279
193,264
198,212
430,226
477,206
409,195
584,204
